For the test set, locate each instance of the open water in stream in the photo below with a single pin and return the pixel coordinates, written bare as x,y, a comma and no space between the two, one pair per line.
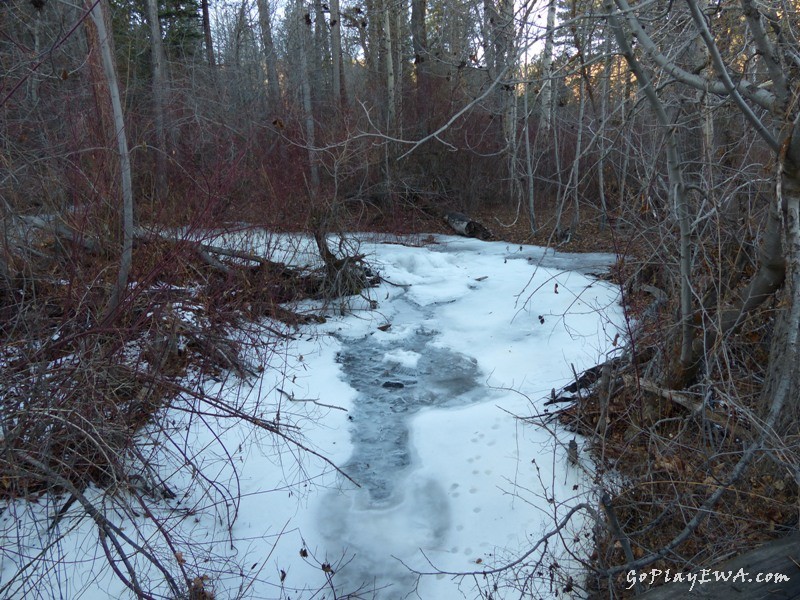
394,382
390,392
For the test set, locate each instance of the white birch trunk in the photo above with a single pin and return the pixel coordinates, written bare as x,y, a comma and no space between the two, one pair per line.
98,14
547,68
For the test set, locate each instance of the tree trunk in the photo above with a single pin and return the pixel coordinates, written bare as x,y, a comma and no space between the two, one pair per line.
677,193
374,44
490,18
99,19
391,83
270,57
575,178
35,77
529,169
238,38
399,11
547,68
337,79
506,66
783,376
159,61
209,43
304,40
321,49
419,39
601,133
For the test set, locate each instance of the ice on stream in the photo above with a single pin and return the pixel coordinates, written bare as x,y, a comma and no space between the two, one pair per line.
424,391
389,392
444,469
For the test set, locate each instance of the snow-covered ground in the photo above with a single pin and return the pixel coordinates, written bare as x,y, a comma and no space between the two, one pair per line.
416,400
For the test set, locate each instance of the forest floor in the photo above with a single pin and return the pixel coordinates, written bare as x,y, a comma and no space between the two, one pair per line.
510,225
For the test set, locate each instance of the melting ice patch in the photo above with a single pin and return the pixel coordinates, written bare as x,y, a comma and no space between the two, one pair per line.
388,393
404,358
396,509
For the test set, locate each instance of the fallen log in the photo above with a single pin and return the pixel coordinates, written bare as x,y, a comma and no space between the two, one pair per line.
463,225
695,406
206,252
266,284
583,381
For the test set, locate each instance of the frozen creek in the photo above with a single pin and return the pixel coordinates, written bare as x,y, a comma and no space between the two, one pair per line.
414,384
416,400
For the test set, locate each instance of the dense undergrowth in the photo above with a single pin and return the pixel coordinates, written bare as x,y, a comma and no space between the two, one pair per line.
84,387
661,453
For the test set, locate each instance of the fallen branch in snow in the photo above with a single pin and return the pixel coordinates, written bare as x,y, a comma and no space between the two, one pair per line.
277,428
108,532
696,407
556,531
208,253
311,400
220,350
683,399
582,381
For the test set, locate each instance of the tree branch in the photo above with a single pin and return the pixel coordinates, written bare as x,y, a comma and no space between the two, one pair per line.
760,96
722,71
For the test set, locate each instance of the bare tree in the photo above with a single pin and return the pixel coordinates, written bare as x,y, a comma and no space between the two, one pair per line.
547,68
304,32
337,80
102,34
388,22
208,39
419,38
270,56
160,91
